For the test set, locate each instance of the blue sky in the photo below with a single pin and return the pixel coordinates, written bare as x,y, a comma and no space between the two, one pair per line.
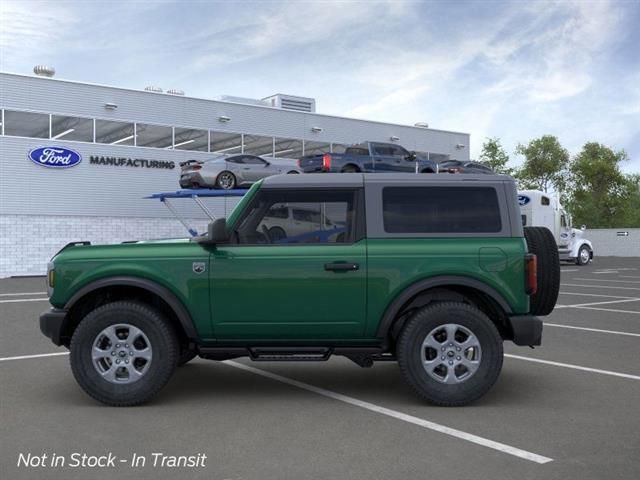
513,70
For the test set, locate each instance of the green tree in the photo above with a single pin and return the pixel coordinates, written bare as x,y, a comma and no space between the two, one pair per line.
601,195
495,157
545,164
631,215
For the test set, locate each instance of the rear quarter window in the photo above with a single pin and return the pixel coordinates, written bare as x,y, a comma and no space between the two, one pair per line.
441,210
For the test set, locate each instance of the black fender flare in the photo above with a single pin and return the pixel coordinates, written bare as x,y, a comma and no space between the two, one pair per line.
181,312
412,290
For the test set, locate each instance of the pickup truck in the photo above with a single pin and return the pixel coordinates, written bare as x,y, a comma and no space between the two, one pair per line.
372,157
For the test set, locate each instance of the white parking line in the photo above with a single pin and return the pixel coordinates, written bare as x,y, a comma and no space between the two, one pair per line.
575,367
533,457
597,330
598,303
605,280
19,300
629,276
26,357
22,293
609,310
598,286
593,295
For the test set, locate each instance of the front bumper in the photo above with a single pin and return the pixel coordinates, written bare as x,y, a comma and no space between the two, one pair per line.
52,325
527,330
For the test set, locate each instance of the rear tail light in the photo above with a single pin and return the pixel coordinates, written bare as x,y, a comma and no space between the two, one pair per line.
531,273
299,163
326,162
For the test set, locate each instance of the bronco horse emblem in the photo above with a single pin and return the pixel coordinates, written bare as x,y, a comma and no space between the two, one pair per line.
198,267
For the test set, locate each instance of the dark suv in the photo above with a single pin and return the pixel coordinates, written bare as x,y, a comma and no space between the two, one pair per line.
433,271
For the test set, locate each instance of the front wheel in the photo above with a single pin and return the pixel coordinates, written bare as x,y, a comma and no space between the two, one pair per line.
584,255
123,353
450,353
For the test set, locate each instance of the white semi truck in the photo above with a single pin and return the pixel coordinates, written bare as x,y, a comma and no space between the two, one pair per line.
540,209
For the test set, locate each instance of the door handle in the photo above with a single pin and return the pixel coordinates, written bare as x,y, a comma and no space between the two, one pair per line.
341,267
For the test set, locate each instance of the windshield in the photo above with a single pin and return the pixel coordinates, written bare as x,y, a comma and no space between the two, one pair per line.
233,218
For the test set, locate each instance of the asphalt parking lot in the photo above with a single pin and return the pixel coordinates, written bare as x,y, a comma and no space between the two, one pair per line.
569,409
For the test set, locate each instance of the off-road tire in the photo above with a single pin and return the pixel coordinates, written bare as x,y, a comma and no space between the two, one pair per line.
410,355
164,344
540,242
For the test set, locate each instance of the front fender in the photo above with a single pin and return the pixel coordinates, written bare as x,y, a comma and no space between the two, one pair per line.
575,247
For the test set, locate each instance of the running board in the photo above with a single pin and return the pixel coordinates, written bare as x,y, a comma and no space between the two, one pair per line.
362,356
290,354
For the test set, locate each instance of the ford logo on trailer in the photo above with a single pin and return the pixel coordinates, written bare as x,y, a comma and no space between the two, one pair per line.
523,200
55,157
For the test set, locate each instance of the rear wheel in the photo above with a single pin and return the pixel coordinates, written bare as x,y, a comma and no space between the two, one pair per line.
292,172
349,169
450,353
226,180
123,353
540,242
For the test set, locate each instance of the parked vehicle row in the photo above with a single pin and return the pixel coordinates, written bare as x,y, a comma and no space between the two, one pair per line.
231,171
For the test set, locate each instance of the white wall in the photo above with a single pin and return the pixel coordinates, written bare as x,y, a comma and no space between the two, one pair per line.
606,242
27,242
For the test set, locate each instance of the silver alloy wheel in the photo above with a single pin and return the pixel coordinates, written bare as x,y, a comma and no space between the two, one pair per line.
121,353
226,180
451,353
584,255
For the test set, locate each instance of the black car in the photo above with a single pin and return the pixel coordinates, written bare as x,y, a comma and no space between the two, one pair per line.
462,166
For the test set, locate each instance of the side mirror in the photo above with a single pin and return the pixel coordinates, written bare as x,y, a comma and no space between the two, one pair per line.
583,227
216,233
266,164
411,157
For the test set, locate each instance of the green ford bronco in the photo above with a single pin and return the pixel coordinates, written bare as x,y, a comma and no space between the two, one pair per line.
434,271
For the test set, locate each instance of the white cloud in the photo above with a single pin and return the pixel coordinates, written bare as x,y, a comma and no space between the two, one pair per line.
31,29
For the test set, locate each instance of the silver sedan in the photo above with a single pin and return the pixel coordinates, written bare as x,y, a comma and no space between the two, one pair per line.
229,172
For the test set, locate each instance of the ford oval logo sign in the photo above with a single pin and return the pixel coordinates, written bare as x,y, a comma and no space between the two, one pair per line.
55,157
523,200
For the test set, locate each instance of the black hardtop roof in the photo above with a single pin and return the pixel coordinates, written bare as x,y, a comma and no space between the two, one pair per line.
337,180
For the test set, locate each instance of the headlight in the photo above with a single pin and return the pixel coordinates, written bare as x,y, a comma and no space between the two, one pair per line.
51,278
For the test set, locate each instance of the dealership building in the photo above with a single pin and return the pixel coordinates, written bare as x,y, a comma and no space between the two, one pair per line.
128,144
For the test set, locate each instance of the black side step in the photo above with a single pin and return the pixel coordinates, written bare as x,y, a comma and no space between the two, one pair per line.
363,356
290,354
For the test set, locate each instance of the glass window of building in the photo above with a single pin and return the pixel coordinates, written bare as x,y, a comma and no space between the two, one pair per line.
26,124
71,128
258,145
191,139
114,133
287,148
155,136
225,142
315,148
